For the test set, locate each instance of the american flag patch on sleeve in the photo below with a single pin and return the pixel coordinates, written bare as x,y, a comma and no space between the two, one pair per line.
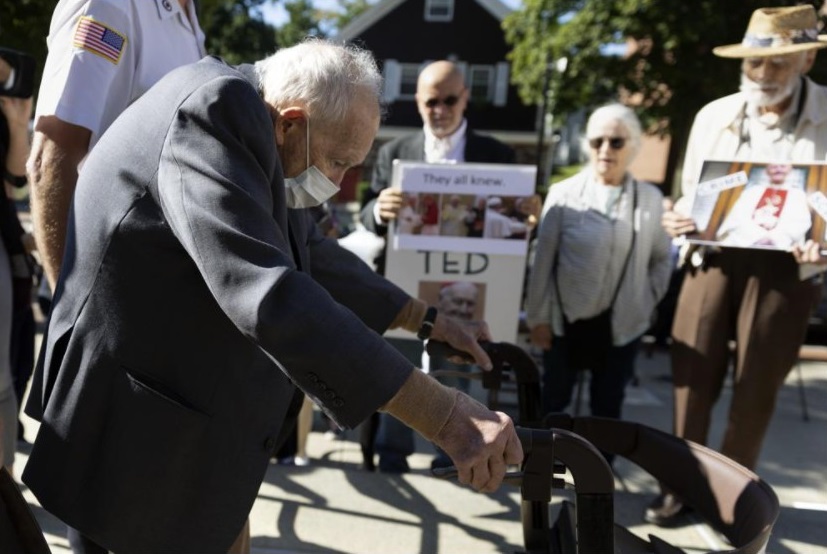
99,39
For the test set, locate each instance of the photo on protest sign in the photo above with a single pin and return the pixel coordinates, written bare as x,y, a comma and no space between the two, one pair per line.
767,205
463,207
485,286
463,300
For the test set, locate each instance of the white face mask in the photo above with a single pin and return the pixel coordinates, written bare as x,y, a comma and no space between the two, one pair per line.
309,188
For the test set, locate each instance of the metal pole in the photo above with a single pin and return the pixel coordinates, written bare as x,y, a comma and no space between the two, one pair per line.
542,128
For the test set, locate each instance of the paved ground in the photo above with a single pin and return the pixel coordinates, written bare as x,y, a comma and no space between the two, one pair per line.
332,506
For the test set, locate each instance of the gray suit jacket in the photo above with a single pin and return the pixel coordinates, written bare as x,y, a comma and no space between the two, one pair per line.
189,303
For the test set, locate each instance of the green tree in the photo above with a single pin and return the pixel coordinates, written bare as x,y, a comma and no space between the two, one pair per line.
669,68
24,25
236,30
303,20
333,20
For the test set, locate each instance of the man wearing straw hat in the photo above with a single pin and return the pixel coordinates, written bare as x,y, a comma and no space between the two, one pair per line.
759,299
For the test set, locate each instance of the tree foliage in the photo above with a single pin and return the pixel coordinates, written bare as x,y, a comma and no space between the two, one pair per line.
303,20
348,10
24,25
670,69
236,30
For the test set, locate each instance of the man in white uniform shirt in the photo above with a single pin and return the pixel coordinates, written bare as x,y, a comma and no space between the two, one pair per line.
103,54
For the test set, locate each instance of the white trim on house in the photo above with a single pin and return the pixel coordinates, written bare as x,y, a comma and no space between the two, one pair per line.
367,19
495,8
382,8
439,5
501,84
391,80
480,82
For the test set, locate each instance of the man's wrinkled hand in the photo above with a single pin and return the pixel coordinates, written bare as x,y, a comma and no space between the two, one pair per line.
676,224
808,253
481,443
389,203
464,336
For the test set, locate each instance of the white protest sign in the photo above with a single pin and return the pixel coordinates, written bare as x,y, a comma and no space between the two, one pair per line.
463,207
468,285
461,239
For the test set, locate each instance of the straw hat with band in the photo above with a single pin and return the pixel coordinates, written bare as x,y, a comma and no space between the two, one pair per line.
775,32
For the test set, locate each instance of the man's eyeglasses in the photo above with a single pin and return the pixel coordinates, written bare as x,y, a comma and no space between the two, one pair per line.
615,143
449,101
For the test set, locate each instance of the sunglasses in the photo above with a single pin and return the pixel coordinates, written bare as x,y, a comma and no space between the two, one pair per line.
615,143
449,101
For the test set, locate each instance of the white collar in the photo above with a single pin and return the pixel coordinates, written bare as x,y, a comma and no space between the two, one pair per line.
442,148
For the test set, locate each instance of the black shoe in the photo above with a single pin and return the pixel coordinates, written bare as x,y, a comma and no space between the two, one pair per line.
665,511
441,461
393,464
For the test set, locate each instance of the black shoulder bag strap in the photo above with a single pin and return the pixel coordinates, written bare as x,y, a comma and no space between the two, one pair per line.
625,264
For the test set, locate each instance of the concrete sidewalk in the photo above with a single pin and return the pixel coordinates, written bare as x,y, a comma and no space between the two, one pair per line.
333,506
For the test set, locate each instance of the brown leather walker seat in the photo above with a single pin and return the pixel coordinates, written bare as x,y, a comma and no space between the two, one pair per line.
732,499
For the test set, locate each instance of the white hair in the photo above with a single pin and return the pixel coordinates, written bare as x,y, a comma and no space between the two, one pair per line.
322,76
458,286
616,112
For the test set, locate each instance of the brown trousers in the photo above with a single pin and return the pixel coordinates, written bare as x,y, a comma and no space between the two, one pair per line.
756,299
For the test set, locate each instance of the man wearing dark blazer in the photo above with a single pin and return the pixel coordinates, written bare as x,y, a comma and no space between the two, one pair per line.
193,305
441,98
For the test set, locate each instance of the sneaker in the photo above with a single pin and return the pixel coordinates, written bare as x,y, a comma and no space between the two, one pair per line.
665,511
301,461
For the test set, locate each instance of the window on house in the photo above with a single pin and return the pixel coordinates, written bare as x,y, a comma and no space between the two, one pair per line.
481,83
409,73
439,10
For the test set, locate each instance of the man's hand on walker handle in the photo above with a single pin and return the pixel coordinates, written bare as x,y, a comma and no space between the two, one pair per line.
480,442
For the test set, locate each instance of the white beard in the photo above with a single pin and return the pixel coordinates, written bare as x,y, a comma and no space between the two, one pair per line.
758,98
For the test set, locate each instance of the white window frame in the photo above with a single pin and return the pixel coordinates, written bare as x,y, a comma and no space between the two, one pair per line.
411,71
439,10
392,76
490,73
501,84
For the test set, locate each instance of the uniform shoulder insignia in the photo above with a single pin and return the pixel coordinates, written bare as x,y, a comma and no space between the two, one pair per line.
95,37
